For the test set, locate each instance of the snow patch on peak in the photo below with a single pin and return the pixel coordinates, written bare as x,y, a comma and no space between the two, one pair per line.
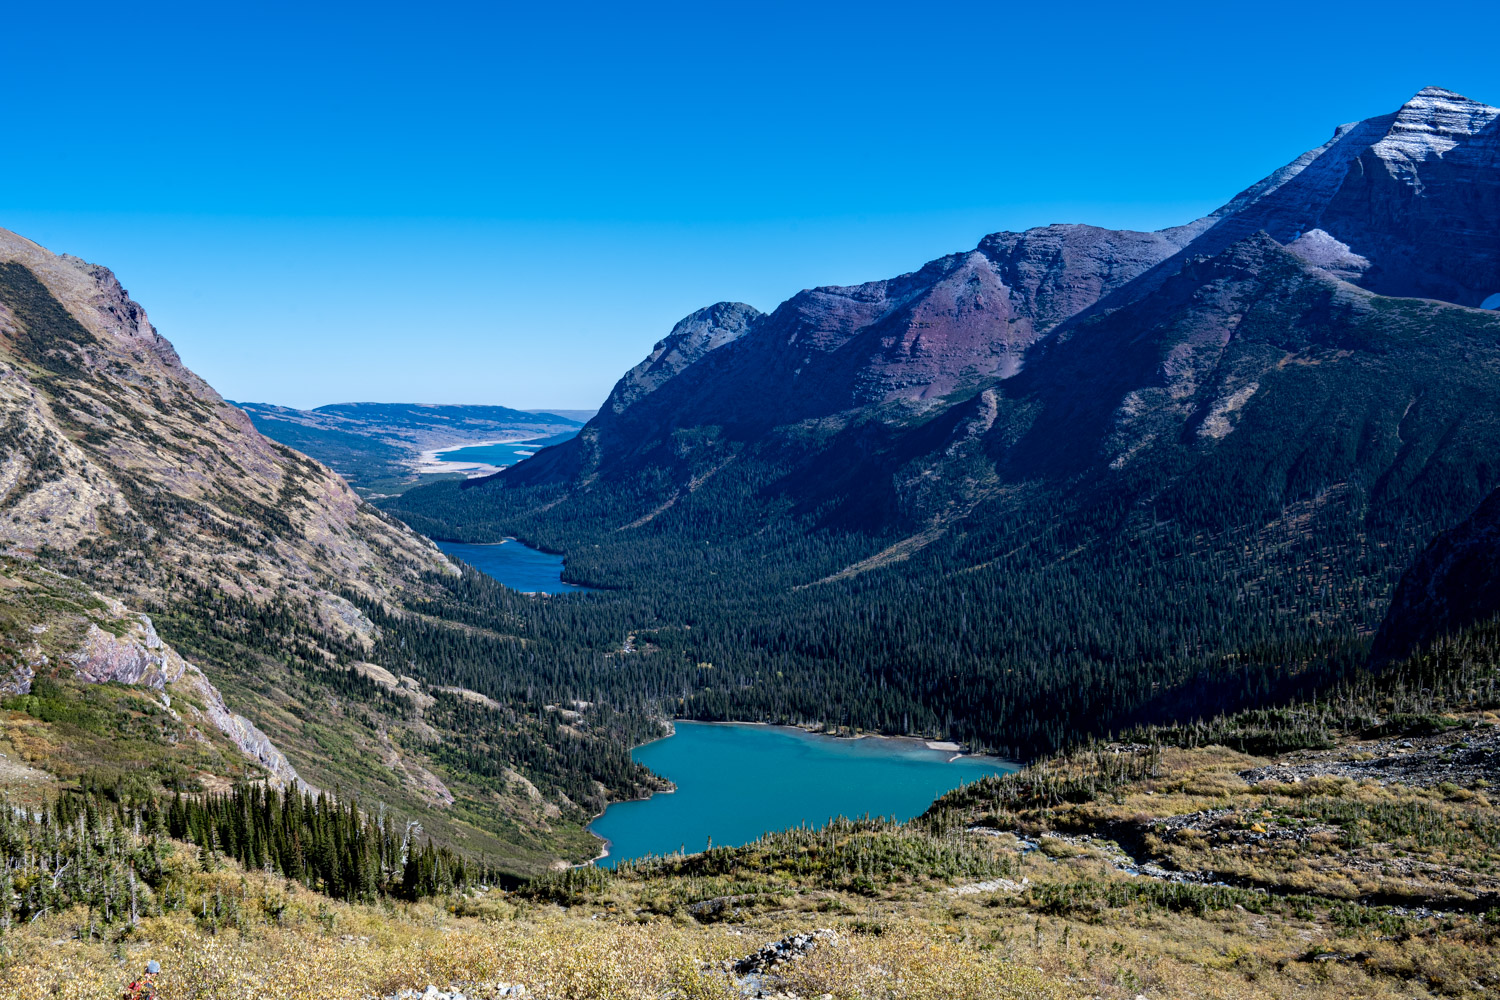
1322,250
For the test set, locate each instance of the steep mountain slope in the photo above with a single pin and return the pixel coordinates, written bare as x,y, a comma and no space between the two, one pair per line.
154,540
122,458
958,322
1454,585
1068,481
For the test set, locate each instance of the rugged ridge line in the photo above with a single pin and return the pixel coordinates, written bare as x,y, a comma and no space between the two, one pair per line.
1402,204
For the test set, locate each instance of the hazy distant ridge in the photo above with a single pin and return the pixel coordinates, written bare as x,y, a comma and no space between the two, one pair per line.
376,446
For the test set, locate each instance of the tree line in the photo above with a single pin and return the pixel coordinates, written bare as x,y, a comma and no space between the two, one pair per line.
110,854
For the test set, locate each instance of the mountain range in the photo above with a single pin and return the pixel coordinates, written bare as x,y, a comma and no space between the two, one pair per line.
1405,204
1068,482
1241,430
1225,495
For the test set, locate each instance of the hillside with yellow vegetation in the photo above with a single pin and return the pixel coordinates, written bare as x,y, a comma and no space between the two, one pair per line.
1157,869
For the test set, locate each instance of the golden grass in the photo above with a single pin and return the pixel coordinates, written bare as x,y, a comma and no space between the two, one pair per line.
1079,929
914,944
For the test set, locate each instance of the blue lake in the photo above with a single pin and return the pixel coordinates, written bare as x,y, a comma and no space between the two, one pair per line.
737,782
513,564
508,453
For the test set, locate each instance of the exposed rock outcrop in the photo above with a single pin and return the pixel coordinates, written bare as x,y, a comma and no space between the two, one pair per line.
137,655
121,452
788,949
1323,251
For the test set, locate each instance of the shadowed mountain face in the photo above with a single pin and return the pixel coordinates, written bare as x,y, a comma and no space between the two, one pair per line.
959,322
1072,478
1455,584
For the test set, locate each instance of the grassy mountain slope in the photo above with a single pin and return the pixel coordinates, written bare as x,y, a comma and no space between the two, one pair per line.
1362,863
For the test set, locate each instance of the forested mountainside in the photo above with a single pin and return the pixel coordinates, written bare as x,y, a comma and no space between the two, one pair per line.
1454,585
376,446
1067,482
184,603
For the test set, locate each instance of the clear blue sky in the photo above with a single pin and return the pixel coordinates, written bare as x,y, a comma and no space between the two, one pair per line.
503,204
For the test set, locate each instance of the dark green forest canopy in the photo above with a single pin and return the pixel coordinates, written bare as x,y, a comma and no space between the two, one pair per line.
1044,592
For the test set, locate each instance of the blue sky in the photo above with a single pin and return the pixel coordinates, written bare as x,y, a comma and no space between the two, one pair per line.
504,204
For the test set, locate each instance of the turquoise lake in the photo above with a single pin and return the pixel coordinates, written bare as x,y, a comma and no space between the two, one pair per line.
505,454
737,782
528,570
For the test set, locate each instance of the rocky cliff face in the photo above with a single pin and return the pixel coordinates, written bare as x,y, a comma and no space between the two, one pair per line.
1414,194
53,627
122,467
123,460
138,656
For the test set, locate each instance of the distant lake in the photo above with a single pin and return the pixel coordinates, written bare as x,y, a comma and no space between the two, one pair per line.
505,454
528,570
737,782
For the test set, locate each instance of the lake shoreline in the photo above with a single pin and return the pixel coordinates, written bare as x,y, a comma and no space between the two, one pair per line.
428,463
520,567
906,742
671,725
944,746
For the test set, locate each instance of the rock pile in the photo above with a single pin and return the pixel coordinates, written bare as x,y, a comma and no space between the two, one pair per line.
1462,756
788,949
475,991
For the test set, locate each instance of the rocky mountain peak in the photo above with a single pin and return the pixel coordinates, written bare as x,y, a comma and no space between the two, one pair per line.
1430,124
694,336
1412,197
94,296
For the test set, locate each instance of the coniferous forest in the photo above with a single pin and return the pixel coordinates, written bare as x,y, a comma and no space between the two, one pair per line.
97,848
